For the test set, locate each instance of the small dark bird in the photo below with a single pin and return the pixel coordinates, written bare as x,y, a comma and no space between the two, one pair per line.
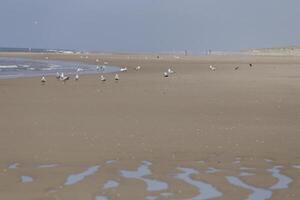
236,68
250,65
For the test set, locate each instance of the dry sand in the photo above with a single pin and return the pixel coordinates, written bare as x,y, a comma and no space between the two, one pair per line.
227,119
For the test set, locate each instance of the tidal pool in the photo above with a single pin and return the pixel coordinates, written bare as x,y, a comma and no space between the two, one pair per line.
75,178
257,193
142,171
206,191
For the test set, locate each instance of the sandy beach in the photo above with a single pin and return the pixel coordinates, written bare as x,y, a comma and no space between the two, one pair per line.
243,124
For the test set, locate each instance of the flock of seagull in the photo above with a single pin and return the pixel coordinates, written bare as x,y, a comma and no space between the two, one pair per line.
213,68
64,78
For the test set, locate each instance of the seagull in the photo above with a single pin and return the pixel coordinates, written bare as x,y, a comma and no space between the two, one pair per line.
103,68
97,68
123,69
170,71
236,68
138,68
250,65
62,76
102,78
43,79
79,70
212,68
57,75
117,77
65,78
166,74
76,77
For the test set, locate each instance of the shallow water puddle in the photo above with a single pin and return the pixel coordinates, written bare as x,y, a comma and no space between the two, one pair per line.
212,170
296,166
13,166
166,194
206,191
47,166
151,197
140,173
246,174
101,198
26,179
258,193
283,180
111,161
110,184
75,178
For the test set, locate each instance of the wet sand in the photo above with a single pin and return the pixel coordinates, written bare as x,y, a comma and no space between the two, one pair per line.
227,119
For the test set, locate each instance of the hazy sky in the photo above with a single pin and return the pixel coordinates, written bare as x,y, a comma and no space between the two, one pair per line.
149,25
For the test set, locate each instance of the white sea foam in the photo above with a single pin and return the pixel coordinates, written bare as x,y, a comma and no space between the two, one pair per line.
8,66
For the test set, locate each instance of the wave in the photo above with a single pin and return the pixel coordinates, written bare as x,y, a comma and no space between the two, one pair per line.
8,66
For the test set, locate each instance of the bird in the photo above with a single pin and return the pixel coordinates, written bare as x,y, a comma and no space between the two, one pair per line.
166,74
65,78
236,68
62,76
212,68
250,65
117,77
102,78
138,68
123,69
103,68
170,71
97,68
57,75
79,70
77,77
43,79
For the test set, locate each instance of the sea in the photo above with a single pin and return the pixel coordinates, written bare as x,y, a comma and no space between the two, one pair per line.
23,67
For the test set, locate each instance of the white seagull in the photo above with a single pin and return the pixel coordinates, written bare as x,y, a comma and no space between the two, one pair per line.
123,69
102,78
170,71
62,76
57,75
43,79
117,77
166,74
212,68
138,68
77,77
